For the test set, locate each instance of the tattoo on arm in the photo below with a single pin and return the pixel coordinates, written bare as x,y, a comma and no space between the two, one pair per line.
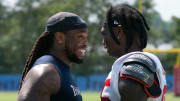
40,83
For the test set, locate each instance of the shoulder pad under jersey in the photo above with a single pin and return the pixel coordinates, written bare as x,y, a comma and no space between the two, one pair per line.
141,59
140,68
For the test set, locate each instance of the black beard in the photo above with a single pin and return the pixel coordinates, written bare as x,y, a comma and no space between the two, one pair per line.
71,56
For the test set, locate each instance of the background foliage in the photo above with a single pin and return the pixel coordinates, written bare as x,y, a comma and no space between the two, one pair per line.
20,26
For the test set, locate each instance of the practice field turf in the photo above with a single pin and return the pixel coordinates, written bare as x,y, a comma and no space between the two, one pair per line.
87,96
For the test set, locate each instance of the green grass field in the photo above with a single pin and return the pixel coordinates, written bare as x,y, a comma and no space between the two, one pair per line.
87,96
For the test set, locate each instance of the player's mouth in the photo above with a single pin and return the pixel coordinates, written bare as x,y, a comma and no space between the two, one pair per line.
106,48
82,53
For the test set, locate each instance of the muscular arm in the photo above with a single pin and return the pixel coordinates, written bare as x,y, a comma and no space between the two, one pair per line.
40,82
131,90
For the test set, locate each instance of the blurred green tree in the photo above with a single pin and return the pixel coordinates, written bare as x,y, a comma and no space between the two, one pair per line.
175,31
27,22
21,26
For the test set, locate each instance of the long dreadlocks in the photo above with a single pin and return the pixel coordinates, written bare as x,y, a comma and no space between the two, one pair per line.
131,20
41,47
59,22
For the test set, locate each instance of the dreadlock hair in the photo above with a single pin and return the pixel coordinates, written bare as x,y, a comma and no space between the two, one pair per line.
41,47
131,20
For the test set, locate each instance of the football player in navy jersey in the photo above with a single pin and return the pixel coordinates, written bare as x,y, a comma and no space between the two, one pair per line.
46,75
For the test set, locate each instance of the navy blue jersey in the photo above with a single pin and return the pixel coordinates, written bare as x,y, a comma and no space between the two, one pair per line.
68,90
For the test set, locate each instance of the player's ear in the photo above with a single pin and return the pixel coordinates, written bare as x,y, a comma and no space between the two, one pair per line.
59,37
